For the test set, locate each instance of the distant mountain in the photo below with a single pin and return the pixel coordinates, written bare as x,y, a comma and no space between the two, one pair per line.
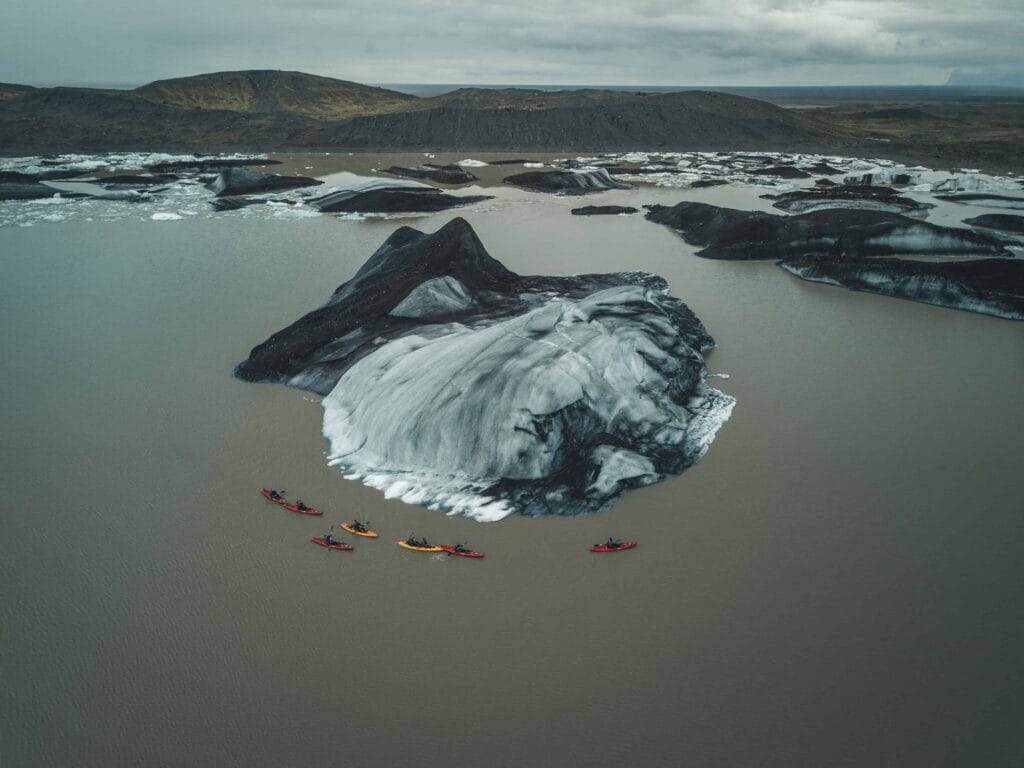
290,110
274,92
266,110
11,91
584,119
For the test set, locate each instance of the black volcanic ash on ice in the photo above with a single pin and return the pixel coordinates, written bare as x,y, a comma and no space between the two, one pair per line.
454,383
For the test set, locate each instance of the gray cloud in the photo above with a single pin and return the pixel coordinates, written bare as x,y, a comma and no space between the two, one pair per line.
686,42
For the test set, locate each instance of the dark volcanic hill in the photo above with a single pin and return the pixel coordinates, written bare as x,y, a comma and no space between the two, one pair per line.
290,110
602,120
267,110
275,92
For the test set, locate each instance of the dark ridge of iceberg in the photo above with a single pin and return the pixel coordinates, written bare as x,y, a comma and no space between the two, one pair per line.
237,203
393,200
451,382
822,168
603,210
124,195
781,172
134,180
622,170
1004,222
29,191
986,286
442,174
566,182
726,233
861,197
31,178
980,198
241,181
208,165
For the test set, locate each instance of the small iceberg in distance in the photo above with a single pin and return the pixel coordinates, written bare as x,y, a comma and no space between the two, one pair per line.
453,383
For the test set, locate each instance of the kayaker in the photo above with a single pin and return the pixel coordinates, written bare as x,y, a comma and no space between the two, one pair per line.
300,506
275,495
329,537
359,526
613,544
459,548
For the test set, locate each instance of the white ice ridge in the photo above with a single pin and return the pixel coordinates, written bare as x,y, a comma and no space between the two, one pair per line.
435,297
119,161
439,416
470,163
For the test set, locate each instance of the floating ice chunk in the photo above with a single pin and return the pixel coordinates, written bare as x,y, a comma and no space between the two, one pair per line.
163,216
988,286
965,184
469,163
295,212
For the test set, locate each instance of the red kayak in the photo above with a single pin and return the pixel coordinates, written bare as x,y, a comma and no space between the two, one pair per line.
460,552
288,505
334,544
619,548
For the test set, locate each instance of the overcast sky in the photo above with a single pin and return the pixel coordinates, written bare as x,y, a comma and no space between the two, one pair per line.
685,42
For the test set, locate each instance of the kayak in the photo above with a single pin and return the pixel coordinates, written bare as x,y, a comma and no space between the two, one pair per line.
334,544
348,527
289,506
464,553
606,548
414,548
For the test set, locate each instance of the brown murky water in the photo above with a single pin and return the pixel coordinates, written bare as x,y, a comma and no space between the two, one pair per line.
837,583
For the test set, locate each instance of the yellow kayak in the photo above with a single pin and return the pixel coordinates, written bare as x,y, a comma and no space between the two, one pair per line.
349,527
414,548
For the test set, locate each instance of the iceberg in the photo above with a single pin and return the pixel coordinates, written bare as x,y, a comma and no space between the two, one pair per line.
986,286
727,233
453,383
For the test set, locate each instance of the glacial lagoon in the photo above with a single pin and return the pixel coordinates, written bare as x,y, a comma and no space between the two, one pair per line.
848,544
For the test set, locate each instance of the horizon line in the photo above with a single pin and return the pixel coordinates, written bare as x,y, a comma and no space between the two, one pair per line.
128,85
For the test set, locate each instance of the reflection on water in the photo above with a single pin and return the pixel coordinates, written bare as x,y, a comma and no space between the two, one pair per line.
835,582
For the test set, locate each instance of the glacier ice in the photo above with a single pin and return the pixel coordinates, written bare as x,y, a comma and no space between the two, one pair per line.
727,233
986,286
453,383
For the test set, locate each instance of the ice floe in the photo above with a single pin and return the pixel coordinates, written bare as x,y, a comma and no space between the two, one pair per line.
453,383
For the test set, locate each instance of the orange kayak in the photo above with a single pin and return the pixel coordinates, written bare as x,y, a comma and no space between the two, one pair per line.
353,530
415,548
